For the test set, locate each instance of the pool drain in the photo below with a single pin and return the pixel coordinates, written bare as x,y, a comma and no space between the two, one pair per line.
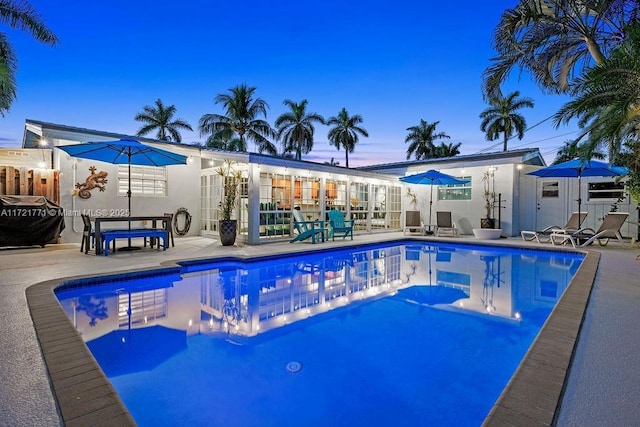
294,367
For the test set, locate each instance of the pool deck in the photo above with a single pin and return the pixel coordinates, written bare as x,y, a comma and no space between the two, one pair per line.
602,387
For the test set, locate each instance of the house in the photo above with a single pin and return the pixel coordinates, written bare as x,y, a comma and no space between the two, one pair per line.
524,202
272,186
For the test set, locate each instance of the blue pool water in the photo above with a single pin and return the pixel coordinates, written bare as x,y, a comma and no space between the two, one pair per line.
390,334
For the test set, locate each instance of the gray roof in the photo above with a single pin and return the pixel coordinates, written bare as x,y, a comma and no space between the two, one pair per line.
528,156
30,140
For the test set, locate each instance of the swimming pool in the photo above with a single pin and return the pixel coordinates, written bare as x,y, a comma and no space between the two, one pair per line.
428,333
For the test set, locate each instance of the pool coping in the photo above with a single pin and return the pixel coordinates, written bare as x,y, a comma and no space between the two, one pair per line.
84,395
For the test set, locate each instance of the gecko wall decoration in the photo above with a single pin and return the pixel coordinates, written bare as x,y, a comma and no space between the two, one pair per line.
95,180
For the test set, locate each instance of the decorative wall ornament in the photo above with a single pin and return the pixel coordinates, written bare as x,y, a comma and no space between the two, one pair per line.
95,180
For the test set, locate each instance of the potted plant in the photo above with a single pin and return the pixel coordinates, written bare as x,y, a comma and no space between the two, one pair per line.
412,218
489,196
231,177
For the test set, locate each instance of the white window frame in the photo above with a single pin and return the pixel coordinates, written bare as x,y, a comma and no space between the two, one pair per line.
464,190
147,181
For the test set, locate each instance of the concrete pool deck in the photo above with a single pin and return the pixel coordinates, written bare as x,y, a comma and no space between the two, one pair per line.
601,388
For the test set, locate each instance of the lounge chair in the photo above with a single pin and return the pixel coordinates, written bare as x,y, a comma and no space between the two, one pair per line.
609,229
412,222
573,225
339,225
445,225
307,229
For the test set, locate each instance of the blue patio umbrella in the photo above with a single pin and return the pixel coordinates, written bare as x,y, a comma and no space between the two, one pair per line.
431,294
432,177
126,351
126,152
577,168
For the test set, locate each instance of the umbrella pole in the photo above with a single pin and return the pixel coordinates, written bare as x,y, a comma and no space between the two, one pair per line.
579,200
430,270
430,203
129,197
129,247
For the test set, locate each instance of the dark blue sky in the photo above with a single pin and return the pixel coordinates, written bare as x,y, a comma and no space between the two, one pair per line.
392,62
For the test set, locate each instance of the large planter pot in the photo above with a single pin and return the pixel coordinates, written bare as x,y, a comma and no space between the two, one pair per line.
227,230
487,223
487,233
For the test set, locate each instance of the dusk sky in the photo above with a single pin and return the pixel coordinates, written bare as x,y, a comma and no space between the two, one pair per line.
392,62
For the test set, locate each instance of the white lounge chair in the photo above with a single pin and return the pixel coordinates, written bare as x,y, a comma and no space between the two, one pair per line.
445,225
412,222
573,225
609,229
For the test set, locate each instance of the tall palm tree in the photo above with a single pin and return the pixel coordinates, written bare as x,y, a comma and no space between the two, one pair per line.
556,40
295,128
421,139
241,117
345,132
447,150
572,149
160,118
502,117
226,140
22,16
607,102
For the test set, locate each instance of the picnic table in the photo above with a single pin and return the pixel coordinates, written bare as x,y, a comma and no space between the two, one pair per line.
130,232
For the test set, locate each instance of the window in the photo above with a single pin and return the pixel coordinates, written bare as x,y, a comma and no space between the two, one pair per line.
606,190
142,307
336,195
379,202
394,207
548,290
275,204
550,190
456,191
359,201
145,180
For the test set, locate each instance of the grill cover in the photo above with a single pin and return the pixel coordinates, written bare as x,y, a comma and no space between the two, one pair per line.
29,220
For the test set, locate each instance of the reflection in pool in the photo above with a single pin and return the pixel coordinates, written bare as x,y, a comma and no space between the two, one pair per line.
424,333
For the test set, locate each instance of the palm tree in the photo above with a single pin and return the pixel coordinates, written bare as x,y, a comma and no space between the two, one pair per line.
332,162
241,118
421,138
556,40
345,131
573,150
447,150
502,118
226,140
160,118
630,156
22,16
295,128
607,102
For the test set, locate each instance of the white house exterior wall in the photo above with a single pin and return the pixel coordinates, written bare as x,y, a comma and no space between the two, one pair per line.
522,207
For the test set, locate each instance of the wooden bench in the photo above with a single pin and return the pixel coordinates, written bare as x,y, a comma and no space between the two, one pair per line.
109,235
